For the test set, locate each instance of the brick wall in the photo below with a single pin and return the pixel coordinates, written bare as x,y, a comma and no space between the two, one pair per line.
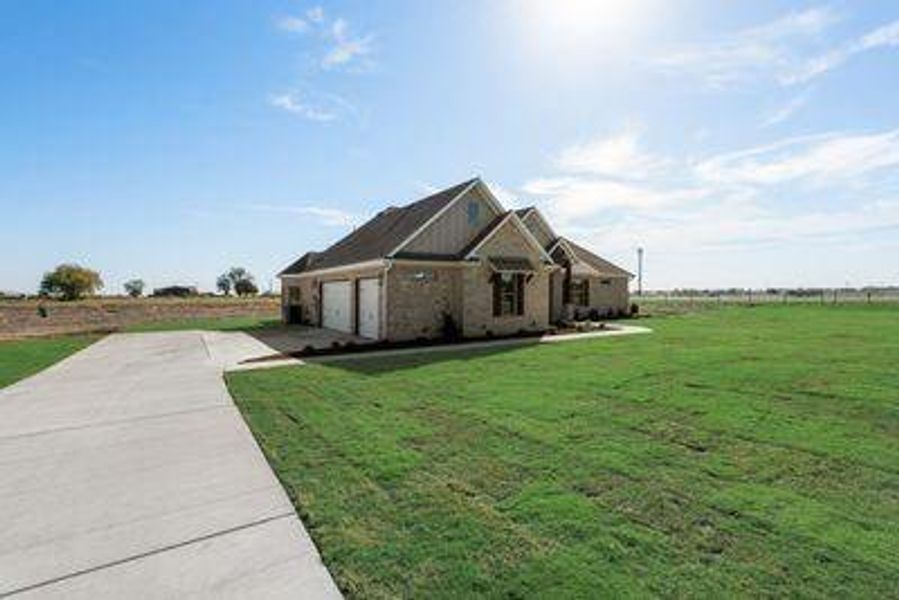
478,316
613,296
418,296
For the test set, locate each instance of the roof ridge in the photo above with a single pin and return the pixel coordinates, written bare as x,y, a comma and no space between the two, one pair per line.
378,236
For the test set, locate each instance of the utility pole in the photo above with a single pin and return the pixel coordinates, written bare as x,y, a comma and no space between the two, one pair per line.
640,271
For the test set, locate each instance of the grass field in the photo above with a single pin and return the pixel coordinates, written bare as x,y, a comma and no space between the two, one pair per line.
21,358
733,452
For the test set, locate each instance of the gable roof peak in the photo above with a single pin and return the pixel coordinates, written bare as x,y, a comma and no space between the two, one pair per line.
381,235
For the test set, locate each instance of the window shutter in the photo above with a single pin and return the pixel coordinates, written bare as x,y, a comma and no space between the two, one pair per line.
519,289
586,292
497,300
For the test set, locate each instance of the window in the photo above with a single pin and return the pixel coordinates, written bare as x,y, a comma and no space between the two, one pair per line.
508,294
474,212
580,292
605,281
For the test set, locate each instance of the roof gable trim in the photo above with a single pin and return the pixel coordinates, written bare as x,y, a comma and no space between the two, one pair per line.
522,228
561,243
433,219
542,220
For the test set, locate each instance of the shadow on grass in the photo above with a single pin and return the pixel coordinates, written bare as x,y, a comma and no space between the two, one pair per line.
377,363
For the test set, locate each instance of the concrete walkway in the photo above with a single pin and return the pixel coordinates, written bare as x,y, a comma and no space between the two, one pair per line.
127,472
611,331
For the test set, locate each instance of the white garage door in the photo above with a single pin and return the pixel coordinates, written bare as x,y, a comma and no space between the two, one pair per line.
369,307
336,306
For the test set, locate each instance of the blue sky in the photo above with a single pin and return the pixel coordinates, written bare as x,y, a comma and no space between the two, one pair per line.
739,143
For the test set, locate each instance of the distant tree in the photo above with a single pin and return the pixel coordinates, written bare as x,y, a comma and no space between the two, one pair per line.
223,284
246,287
70,282
177,291
238,279
134,287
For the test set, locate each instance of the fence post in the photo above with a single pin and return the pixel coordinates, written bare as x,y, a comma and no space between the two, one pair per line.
869,297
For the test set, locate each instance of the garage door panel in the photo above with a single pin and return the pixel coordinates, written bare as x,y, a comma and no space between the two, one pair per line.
369,307
336,312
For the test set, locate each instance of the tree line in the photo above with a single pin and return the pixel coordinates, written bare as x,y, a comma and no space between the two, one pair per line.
71,281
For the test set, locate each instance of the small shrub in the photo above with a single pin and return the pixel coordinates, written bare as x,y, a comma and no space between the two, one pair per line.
635,309
593,315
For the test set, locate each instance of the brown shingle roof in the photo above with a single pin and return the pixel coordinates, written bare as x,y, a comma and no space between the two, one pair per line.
380,235
521,212
600,264
299,265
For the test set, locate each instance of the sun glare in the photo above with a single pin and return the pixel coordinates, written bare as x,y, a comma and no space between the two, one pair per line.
576,27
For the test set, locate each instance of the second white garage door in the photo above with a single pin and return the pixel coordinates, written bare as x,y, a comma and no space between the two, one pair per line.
369,307
336,306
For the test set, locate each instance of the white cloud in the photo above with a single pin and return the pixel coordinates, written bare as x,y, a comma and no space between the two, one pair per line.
332,217
742,201
752,53
571,199
346,48
821,159
787,50
885,36
785,111
336,44
316,14
731,225
617,156
506,197
319,107
292,24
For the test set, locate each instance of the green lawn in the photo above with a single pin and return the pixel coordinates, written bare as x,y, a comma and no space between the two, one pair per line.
239,323
735,452
21,358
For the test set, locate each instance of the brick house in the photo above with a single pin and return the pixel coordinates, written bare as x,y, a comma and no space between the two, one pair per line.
455,259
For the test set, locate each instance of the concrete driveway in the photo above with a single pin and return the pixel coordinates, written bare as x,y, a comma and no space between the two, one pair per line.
127,472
